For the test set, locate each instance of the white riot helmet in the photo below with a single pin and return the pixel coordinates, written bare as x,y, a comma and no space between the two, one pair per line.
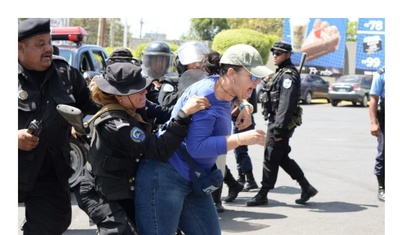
190,52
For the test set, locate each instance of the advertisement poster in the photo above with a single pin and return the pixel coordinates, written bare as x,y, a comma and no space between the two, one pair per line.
370,54
324,41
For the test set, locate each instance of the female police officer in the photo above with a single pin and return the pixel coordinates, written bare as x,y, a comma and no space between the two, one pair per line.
121,138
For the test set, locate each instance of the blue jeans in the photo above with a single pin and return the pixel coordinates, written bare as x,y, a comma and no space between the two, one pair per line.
164,201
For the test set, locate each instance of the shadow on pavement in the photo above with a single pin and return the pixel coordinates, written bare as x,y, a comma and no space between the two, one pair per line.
80,232
239,221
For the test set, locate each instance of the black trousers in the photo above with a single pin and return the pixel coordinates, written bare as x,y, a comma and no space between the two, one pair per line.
111,217
276,154
47,206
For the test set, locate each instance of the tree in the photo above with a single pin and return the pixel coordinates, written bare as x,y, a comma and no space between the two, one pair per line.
113,25
270,26
206,28
352,27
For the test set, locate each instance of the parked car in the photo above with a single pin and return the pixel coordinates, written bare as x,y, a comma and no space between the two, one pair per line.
354,88
313,87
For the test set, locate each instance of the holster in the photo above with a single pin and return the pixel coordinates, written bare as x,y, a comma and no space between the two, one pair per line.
296,118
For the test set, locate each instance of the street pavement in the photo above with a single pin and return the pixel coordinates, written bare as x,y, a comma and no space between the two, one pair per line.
336,152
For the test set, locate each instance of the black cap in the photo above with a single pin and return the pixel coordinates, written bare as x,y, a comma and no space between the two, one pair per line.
33,26
283,46
123,79
121,53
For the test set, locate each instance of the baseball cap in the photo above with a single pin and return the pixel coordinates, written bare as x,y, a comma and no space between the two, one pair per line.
246,56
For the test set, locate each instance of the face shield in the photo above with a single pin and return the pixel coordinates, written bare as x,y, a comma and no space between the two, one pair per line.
192,52
157,64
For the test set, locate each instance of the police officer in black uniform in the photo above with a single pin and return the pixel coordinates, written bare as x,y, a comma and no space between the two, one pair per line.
43,134
121,139
283,112
157,61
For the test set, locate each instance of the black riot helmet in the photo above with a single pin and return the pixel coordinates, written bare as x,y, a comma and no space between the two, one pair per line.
157,59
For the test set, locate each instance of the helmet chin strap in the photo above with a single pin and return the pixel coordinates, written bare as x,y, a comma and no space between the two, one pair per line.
130,101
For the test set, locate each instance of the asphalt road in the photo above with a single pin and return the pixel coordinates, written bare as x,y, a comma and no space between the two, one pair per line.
336,151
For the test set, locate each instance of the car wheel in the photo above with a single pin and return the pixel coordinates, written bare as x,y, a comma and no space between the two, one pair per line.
334,103
328,100
364,101
78,156
308,98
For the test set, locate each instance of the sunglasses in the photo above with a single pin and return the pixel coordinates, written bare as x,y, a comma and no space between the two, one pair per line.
254,78
278,53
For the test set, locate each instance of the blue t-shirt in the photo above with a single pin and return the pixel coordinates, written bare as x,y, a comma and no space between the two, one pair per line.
206,138
378,85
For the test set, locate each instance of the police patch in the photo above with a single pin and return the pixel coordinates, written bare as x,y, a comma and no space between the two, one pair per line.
287,83
167,88
137,135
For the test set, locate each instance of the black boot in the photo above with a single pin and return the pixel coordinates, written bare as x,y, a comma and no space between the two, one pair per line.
259,199
234,186
241,178
251,183
217,199
308,191
381,188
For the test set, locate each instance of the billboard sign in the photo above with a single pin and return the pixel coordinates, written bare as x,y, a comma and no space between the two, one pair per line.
324,41
370,54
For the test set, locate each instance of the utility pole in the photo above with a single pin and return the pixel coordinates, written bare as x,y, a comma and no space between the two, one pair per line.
99,32
141,24
125,32
103,33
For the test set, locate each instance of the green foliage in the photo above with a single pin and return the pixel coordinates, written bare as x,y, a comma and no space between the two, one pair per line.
351,34
260,41
207,28
270,26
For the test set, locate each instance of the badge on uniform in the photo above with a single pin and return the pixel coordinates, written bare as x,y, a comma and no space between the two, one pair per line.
167,88
137,135
287,83
22,95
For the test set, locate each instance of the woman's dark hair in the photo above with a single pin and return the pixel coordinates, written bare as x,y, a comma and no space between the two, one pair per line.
212,64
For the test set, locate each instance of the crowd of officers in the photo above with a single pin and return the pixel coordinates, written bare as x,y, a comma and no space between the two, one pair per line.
44,136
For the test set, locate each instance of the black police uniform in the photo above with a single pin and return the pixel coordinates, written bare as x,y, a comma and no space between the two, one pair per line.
168,94
43,173
283,92
120,142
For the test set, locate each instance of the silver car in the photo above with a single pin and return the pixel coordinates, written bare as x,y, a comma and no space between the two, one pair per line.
354,88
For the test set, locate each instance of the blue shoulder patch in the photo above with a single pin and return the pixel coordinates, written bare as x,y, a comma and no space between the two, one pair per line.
137,135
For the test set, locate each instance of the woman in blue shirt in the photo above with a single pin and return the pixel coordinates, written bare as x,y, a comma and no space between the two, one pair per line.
164,196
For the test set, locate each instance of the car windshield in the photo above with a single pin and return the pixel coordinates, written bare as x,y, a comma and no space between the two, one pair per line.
349,79
67,54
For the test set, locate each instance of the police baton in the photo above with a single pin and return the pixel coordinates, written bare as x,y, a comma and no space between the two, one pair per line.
303,58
